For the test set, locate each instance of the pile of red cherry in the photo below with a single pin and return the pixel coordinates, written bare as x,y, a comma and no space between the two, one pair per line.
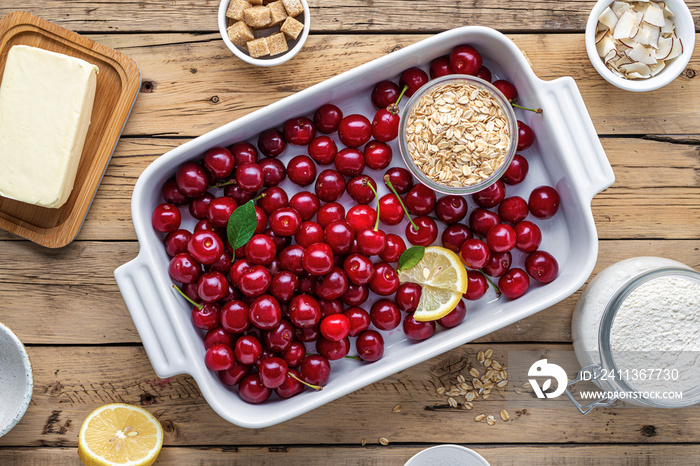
306,271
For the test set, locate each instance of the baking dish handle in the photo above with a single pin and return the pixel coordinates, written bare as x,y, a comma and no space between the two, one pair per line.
137,285
593,170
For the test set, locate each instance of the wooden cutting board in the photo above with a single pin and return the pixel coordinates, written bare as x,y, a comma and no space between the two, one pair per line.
118,83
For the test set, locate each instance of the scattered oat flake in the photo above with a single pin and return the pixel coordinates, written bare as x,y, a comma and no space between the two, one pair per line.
504,415
384,441
490,420
488,353
480,417
441,390
397,409
363,442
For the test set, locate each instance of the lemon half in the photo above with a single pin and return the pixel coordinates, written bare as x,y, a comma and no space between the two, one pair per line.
120,434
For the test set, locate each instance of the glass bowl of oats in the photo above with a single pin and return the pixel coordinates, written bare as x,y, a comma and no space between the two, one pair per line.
458,134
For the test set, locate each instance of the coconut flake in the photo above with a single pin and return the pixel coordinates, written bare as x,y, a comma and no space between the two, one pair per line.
639,68
642,54
625,26
664,48
677,48
608,18
605,46
654,15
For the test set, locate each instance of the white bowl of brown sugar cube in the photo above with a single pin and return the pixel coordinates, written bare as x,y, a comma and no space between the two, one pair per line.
264,32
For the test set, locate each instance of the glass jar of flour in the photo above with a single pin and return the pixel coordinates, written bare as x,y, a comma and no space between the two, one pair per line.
636,332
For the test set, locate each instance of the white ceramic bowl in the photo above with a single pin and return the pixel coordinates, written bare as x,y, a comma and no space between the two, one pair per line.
16,381
685,30
294,45
447,455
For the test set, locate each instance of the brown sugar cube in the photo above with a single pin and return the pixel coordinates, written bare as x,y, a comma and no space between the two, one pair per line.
236,8
277,12
293,7
258,47
291,28
277,43
257,17
240,33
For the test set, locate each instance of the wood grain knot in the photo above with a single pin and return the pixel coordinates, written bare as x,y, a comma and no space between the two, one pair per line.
168,426
147,399
689,73
648,431
193,70
53,426
147,87
214,99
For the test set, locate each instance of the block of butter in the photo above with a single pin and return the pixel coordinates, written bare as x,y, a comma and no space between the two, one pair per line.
46,101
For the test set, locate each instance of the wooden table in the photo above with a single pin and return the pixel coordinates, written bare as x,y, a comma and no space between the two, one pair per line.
65,306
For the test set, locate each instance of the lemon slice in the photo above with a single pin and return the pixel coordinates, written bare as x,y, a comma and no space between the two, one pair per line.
120,434
435,303
439,268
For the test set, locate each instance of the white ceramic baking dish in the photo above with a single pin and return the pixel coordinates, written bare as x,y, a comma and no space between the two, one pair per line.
567,154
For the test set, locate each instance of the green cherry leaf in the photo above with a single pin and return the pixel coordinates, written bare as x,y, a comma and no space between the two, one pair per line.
411,257
241,225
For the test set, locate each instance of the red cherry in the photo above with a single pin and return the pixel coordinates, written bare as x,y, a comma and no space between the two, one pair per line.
514,283
205,246
476,285
359,190
542,266
206,318
451,209
464,59
498,264
192,179
385,314
454,236
291,385
481,220
359,269
528,236
440,67
500,238
273,371
304,311
414,78
327,118
237,270
244,152
330,185
212,286
455,317
420,200
356,295
377,155
507,89
333,350
306,203
249,177
544,202
260,220
252,390
390,210
219,161
485,74
516,171
271,143
333,285
234,375
385,280
274,198
234,317
295,353
385,125
283,286
330,307
255,281
299,131
335,327
315,370
219,358
474,253
526,137
491,195
359,320
384,94
273,172
220,210
417,331
237,194
370,345
166,218
308,234
301,170
291,259
395,246
260,250
172,195
176,242
285,221
400,178
354,130
360,217
318,259
247,349
350,162
407,297
339,236
199,207
329,212
513,209
218,336
371,242
425,235
323,150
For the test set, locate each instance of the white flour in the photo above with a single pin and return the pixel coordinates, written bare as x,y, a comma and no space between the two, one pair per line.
658,327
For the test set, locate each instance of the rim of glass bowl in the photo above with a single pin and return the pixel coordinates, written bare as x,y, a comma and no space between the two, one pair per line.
512,127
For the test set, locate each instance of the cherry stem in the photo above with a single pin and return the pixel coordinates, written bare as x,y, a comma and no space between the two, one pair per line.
536,110
221,185
367,183
498,292
393,190
315,387
355,358
403,91
197,305
259,197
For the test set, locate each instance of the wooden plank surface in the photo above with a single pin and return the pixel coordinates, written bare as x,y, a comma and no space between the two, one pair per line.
505,455
70,382
350,15
207,86
84,306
